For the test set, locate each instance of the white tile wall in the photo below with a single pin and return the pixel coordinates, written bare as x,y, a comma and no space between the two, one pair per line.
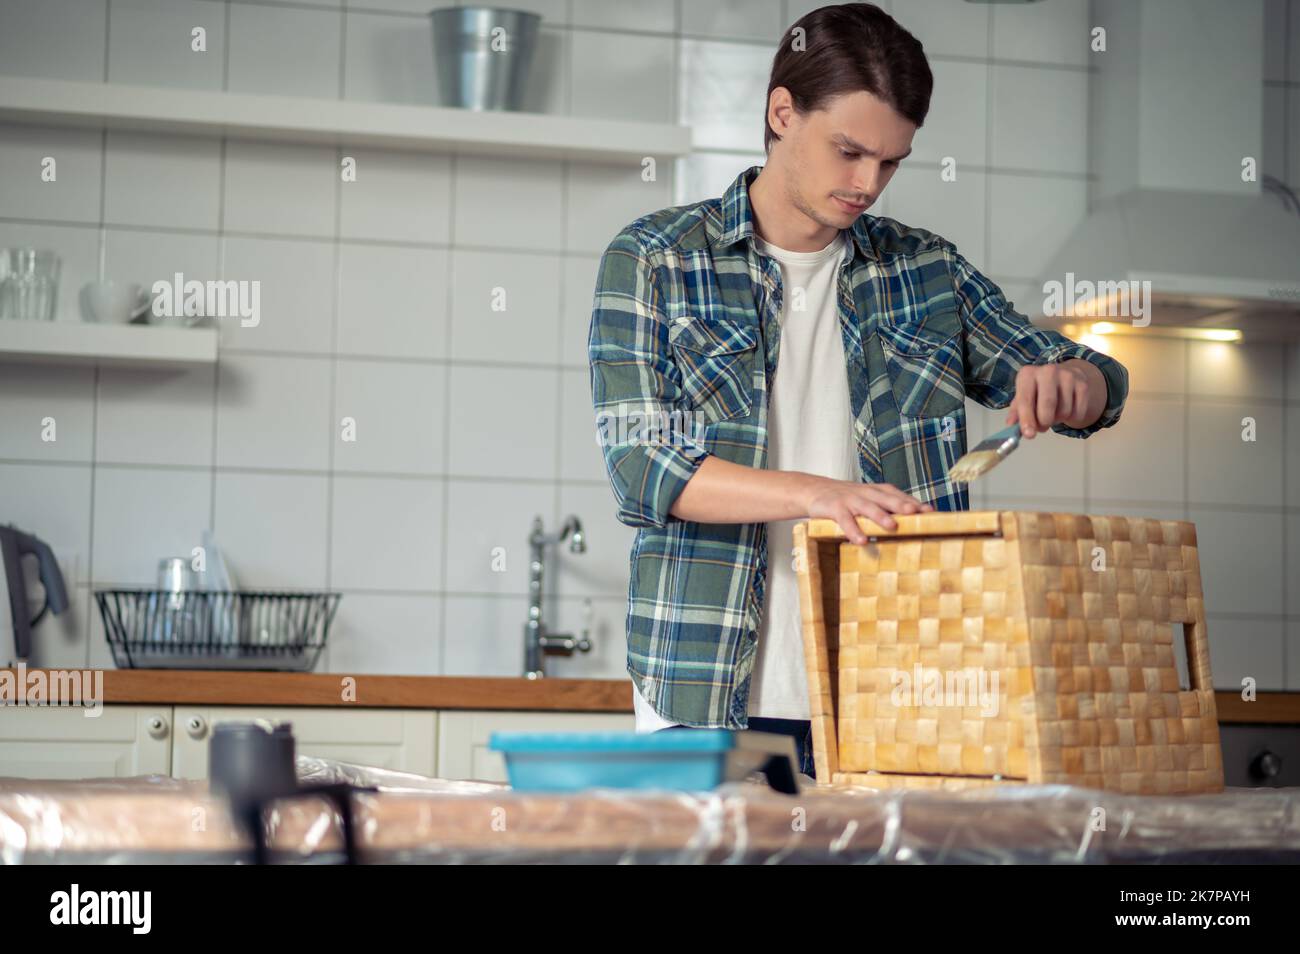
505,307
622,77
392,301
704,175
604,198
272,528
724,93
142,515
1247,648
273,412
1241,559
509,203
1226,468
1218,369
1275,40
146,256
148,416
946,29
1046,465
1049,31
296,301
1274,161
1292,125
387,60
469,422
1292,564
28,492
1036,119
48,412
172,181
1291,362
1029,218
70,192
488,523
279,188
549,85
759,20
389,6
580,457
578,275
483,636
1154,364
396,417
956,127
503,421
152,41
1143,457
954,209
398,633
60,39
386,533
651,16
291,51
1292,466
1293,47
396,197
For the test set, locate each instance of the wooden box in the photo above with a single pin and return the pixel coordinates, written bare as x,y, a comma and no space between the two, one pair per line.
1001,647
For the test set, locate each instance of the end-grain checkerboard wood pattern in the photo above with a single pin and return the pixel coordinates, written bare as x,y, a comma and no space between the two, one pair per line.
1003,647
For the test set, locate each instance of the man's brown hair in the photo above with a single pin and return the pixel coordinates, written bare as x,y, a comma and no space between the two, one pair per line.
844,49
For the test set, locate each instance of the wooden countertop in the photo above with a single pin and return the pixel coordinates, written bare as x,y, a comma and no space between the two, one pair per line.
1268,707
228,688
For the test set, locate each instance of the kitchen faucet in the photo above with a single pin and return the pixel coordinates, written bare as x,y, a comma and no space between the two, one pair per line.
538,643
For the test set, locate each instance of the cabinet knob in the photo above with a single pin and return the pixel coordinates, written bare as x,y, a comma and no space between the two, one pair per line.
196,727
157,727
1266,765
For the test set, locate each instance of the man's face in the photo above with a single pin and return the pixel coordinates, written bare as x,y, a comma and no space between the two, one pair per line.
839,159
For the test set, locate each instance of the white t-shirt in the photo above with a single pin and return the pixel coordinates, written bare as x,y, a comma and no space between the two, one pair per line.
810,429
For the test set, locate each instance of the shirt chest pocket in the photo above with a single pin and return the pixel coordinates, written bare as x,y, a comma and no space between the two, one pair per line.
717,360
926,364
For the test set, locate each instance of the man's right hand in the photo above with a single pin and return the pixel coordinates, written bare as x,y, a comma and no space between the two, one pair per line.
845,500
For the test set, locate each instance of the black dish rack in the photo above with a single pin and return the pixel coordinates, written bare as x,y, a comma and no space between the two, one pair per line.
211,629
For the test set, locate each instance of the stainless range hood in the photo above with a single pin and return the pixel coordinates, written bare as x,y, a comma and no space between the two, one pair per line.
1176,109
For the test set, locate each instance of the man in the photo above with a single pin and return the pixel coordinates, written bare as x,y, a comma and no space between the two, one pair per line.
797,358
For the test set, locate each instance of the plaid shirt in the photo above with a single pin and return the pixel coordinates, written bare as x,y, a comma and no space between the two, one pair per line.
685,334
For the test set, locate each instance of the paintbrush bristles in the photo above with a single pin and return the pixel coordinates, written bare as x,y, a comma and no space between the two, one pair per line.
972,465
987,454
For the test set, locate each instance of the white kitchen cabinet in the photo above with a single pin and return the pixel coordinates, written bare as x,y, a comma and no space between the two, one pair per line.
64,742
400,739
463,736
54,742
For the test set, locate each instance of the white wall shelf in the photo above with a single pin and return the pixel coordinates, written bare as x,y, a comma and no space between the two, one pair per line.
77,342
342,122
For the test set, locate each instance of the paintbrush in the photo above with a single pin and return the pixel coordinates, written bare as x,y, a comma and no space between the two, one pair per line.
986,455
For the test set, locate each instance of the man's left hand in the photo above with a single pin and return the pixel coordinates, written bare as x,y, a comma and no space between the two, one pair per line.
1072,392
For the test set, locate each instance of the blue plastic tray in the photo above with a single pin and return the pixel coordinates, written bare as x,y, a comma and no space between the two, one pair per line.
688,760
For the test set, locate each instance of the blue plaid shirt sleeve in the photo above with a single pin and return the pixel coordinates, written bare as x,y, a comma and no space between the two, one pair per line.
1000,341
636,387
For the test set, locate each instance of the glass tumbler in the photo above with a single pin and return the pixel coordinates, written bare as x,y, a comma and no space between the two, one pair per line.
29,282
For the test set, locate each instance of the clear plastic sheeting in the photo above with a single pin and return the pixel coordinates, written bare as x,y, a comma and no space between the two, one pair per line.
413,819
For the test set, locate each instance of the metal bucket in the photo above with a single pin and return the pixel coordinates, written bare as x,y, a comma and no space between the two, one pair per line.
483,56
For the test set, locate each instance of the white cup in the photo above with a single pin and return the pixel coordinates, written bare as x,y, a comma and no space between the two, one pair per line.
116,303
